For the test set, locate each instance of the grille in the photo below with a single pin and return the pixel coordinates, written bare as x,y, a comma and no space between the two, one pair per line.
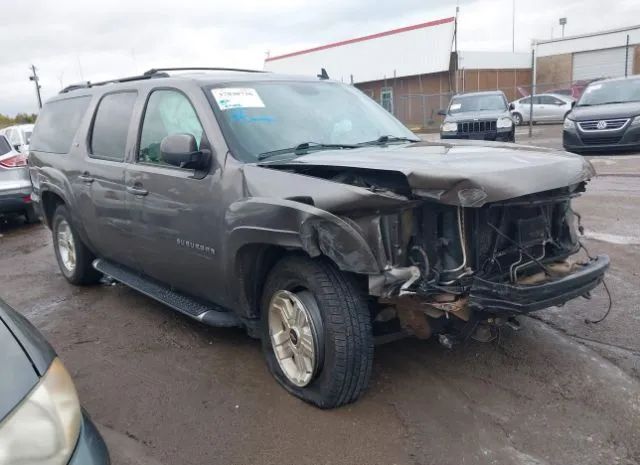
602,140
609,124
476,126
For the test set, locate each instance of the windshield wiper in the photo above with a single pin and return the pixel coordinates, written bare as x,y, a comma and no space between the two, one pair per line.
304,147
382,140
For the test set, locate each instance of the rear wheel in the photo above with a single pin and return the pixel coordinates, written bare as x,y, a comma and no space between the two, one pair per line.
31,216
316,331
74,258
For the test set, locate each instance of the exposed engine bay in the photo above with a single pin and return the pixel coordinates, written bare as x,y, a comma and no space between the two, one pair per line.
460,271
451,244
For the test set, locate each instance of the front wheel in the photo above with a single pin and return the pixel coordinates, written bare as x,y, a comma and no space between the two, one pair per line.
316,331
517,119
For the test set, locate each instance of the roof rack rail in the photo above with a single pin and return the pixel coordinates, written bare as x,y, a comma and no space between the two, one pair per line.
152,74
89,84
202,68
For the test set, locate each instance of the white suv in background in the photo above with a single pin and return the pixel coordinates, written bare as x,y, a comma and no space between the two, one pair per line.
19,136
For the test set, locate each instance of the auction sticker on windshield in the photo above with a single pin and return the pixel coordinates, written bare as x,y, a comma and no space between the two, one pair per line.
237,97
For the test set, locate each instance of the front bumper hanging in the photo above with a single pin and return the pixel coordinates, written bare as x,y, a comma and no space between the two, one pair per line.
501,298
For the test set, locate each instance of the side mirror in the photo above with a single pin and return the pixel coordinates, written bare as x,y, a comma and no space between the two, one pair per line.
573,104
16,147
442,112
181,150
512,106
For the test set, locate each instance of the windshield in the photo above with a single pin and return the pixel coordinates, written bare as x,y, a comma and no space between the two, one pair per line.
465,103
600,93
262,117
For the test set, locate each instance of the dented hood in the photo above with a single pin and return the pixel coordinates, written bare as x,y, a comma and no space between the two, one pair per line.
467,173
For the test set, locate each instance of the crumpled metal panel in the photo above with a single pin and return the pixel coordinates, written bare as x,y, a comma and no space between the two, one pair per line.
465,173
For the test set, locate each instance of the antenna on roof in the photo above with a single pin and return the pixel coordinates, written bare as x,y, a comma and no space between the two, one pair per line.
323,74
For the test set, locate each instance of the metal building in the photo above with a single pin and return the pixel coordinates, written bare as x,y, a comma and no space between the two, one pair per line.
586,57
411,71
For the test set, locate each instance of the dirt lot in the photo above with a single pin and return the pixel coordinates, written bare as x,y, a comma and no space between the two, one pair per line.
166,390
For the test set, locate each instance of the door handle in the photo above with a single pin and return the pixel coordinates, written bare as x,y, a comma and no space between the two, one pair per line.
86,178
137,190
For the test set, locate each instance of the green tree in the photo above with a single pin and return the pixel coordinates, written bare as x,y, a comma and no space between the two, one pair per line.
20,118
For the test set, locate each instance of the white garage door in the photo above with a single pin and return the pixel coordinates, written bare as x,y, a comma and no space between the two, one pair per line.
601,63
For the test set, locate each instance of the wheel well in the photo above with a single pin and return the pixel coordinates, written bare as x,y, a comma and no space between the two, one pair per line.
50,202
253,263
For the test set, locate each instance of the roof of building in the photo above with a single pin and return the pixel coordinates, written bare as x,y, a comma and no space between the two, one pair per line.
597,40
410,50
364,38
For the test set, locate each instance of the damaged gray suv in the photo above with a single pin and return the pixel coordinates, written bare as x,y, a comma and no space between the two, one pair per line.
302,211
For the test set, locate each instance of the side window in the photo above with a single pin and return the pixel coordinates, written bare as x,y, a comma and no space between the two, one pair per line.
536,100
4,145
525,101
548,100
168,112
111,126
58,123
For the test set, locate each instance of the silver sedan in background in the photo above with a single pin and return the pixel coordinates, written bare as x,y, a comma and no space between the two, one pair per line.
547,108
15,184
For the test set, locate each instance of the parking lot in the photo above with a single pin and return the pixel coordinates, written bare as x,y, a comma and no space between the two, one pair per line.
164,389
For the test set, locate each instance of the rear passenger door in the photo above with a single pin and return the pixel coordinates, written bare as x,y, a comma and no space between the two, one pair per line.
174,213
102,200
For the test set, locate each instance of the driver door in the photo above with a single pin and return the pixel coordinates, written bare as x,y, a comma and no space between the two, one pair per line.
173,213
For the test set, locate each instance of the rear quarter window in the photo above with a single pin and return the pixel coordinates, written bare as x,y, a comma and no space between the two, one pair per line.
111,126
58,123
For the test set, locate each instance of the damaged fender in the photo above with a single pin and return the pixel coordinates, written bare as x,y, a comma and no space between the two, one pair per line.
296,225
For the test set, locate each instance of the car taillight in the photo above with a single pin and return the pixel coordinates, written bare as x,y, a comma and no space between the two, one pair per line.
15,161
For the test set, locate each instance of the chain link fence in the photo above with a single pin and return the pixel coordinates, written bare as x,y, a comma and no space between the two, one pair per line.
420,111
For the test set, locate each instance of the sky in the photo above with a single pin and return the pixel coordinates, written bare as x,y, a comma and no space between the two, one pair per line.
77,40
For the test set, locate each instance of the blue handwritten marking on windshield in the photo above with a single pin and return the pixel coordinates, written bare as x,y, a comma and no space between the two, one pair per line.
240,115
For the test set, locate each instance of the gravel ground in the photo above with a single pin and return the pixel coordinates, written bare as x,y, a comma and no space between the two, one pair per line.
166,390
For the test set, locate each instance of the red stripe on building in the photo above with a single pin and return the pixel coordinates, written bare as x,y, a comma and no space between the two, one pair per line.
362,39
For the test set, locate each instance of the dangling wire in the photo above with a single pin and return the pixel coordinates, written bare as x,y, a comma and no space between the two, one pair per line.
606,314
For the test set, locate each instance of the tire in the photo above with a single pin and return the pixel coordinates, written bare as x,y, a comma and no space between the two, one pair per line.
517,119
340,327
82,271
30,215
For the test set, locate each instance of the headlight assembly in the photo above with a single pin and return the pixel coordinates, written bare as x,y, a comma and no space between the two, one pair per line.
635,121
450,127
44,427
504,122
569,124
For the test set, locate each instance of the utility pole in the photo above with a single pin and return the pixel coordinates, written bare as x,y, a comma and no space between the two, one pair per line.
626,58
36,81
563,23
455,51
534,45
513,26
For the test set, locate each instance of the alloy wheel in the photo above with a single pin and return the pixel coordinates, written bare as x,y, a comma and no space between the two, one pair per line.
293,336
66,246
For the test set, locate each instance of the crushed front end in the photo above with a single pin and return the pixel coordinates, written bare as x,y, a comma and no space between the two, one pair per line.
453,270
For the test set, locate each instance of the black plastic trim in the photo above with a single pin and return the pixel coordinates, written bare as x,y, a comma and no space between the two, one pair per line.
495,297
206,312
